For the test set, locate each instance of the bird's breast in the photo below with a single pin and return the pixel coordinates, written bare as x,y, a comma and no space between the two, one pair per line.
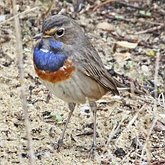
51,63
63,73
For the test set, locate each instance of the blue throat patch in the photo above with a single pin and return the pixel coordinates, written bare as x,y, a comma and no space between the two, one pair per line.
49,60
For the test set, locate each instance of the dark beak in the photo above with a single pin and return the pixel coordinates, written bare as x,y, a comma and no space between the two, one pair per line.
38,36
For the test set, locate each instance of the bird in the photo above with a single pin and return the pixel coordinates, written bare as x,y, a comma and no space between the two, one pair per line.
69,66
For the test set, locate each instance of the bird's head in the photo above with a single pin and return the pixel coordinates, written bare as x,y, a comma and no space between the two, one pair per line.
62,29
60,34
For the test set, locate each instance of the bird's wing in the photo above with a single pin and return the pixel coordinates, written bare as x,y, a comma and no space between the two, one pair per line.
89,62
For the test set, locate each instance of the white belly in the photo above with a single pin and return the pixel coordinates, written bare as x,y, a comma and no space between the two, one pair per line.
76,89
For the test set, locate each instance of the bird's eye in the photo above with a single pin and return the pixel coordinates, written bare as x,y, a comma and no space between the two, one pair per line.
60,32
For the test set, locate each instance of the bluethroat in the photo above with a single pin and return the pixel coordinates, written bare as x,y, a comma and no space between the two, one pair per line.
70,67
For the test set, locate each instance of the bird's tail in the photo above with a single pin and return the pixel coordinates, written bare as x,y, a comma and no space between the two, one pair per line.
127,84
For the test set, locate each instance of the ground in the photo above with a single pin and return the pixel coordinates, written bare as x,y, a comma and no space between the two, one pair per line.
129,36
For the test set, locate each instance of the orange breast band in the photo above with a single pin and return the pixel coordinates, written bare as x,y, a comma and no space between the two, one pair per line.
62,74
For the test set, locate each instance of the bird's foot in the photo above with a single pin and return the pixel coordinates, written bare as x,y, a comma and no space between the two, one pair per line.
58,145
92,151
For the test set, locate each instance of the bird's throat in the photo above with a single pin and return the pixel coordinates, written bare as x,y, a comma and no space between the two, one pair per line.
62,74
49,59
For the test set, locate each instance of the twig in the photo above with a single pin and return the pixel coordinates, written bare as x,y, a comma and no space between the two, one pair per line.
126,157
102,4
118,36
50,6
19,61
150,30
134,20
155,115
129,5
115,129
19,14
117,1
134,118
156,76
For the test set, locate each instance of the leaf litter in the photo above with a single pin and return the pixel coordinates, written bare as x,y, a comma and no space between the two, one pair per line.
123,124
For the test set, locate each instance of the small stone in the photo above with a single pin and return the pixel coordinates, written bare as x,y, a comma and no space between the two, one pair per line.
105,26
119,152
145,70
52,132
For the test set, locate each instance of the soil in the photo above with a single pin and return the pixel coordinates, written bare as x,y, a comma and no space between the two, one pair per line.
130,37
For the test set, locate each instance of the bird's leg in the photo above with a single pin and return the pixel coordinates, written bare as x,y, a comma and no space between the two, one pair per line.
71,108
93,107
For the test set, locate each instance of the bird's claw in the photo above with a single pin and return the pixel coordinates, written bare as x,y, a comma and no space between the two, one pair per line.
58,145
92,151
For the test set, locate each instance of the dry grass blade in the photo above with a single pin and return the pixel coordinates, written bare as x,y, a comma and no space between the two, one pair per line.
155,113
134,118
115,129
19,61
150,29
103,3
19,14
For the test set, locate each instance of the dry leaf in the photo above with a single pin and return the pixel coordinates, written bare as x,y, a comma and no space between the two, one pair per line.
105,26
127,44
